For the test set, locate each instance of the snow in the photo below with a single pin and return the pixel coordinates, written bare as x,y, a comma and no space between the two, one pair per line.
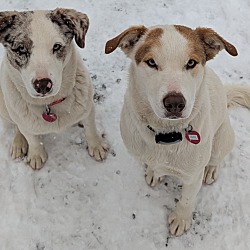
76,203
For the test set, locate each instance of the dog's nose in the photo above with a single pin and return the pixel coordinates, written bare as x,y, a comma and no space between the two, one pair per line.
174,102
43,86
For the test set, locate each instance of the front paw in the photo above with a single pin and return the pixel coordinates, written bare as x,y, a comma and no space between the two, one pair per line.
178,224
36,157
210,174
98,149
150,177
19,147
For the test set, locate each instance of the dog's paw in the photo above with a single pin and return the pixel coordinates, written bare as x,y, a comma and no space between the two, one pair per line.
36,157
150,177
177,224
19,147
98,149
210,174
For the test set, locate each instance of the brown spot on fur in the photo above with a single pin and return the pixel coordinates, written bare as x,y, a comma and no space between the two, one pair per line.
213,43
196,49
152,39
205,41
62,52
13,22
126,40
154,35
6,21
71,23
14,35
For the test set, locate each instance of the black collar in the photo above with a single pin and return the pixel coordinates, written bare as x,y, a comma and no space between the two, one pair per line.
167,138
175,137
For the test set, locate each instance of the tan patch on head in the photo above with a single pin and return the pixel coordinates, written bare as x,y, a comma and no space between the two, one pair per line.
152,39
195,47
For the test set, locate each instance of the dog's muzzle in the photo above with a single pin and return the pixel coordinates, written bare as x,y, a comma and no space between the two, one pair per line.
43,86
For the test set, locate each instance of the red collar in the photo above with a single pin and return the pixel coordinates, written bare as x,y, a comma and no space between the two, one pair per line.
49,116
57,101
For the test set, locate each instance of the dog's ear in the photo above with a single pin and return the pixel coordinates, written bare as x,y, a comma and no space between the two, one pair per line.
77,23
7,19
126,40
214,43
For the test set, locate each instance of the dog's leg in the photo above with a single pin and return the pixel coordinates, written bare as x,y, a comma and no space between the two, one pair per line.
180,220
19,146
223,144
151,178
37,155
96,146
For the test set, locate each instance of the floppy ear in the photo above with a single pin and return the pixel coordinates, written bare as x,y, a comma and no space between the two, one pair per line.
6,21
77,23
213,43
126,40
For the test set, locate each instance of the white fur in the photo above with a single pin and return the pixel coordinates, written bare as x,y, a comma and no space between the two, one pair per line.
206,110
20,105
42,64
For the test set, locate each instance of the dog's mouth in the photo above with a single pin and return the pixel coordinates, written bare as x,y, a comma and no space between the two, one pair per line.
175,116
170,116
43,95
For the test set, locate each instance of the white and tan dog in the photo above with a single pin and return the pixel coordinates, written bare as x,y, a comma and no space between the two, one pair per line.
44,86
175,114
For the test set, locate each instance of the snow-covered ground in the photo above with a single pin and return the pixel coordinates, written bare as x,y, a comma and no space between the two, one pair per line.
75,203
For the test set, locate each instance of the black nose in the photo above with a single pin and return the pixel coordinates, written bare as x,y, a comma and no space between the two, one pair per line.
43,86
174,102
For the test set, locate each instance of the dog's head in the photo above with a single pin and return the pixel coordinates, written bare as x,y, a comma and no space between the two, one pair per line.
39,44
168,64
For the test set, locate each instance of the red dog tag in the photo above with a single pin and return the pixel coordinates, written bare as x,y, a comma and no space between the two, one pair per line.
193,136
49,117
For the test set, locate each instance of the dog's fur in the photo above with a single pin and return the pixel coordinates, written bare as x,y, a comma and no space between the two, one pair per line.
39,45
162,65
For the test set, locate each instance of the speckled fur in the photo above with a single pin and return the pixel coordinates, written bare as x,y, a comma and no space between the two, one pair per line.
20,105
15,33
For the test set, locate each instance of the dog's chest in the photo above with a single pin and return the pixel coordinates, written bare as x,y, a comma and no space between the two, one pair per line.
66,114
179,154
180,158
30,117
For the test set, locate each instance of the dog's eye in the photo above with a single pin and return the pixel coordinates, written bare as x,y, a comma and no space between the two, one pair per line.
151,63
191,64
56,47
